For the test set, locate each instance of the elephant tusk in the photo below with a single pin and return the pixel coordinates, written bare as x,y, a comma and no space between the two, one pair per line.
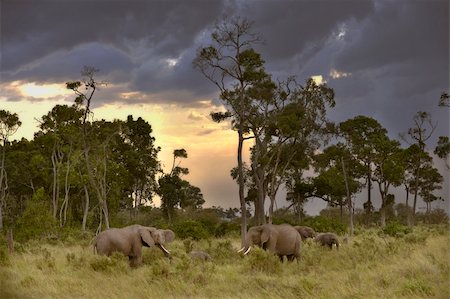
240,250
247,251
165,250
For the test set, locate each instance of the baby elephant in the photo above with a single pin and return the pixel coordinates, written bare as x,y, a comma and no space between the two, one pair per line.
200,255
305,232
327,239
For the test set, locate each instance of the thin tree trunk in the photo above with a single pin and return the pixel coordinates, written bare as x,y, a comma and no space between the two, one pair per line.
65,203
86,207
349,201
10,240
408,212
241,184
2,177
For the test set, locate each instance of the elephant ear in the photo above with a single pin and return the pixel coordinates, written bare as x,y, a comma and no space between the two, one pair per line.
169,235
265,234
146,236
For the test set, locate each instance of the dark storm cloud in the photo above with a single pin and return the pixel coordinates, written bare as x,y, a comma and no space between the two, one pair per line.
288,27
35,29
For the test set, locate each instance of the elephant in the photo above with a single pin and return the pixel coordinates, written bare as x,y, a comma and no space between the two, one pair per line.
327,239
200,255
305,232
282,240
130,239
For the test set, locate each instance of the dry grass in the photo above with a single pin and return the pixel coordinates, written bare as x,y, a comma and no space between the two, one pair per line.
415,266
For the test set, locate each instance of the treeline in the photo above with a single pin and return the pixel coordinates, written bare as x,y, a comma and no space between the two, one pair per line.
83,171
291,135
88,173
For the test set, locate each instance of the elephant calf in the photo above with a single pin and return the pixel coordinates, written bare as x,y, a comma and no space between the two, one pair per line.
130,239
200,255
305,232
327,239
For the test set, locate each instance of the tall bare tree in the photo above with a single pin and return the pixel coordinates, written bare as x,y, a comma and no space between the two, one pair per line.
233,66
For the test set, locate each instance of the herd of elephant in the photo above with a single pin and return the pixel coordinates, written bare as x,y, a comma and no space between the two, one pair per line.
281,240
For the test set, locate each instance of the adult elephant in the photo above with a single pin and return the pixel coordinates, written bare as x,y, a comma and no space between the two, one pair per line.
327,239
130,239
305,232
282,240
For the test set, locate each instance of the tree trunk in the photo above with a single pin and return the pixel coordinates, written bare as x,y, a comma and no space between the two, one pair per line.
382,214
86,207
2,188
241,184
10,240
349,201
272,203
408,212
369,189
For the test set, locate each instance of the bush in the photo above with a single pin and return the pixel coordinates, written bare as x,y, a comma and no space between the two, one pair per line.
323,224
395,229
191,229
259,260
4,256
227,228
116,263
36,222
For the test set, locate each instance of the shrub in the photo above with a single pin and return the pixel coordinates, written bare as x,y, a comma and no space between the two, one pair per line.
47,263
395,229
116,263
226,228
259,260
36,221
4,256
324,224
223,250
191,229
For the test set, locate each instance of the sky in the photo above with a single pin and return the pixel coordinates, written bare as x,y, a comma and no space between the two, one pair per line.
386,59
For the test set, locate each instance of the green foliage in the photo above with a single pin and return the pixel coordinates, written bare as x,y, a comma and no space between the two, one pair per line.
396,229
227,228
47,261
36,222
4,256
116,263
222,251
191,229
435,216
324,224
260,260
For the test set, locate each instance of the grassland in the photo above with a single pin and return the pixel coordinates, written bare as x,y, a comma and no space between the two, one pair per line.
369,266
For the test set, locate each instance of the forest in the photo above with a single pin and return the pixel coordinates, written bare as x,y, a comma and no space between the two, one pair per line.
79,176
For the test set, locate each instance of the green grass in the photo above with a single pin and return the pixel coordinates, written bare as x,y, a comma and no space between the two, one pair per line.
371,265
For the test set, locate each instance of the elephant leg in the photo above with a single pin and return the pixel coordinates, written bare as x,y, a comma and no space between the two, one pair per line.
281,257
135,261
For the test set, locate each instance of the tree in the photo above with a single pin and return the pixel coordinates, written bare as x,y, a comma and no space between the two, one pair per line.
298,126
62,125
9,123
96,168
138,155
174,191
360,134
418,134
389,170
337,181
233,66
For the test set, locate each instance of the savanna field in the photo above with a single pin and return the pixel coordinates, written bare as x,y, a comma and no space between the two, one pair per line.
372,264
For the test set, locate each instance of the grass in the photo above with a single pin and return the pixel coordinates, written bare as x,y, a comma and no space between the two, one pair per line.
369,266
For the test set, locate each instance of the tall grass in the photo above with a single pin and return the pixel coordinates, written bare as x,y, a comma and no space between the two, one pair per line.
371,265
